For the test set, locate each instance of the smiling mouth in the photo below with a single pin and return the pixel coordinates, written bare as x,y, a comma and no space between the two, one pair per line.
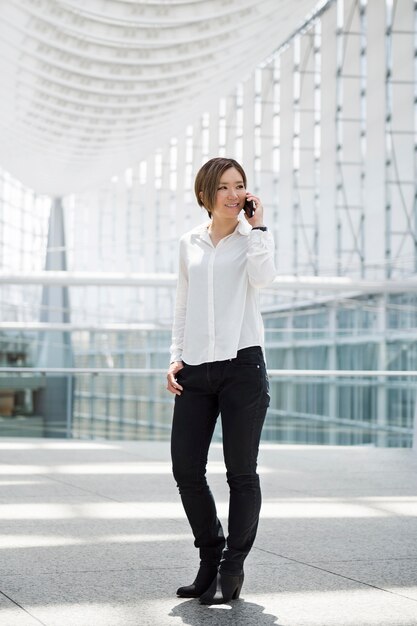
232,206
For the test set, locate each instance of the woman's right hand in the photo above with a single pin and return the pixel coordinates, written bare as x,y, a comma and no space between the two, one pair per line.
172,385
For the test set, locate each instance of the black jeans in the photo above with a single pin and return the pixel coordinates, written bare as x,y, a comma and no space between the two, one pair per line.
238,389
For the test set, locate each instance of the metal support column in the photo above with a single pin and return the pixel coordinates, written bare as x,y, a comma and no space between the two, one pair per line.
351,144
415,195
382,391
400,138
55,348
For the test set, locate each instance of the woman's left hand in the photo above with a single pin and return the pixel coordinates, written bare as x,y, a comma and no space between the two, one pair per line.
258,217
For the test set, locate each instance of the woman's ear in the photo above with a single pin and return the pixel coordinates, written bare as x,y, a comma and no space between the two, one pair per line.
200,195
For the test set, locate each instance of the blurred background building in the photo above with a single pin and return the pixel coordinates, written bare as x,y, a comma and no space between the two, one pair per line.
108,108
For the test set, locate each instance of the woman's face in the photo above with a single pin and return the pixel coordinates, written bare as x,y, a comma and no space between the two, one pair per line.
231,194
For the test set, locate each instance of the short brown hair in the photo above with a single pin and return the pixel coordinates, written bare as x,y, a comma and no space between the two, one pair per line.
208,178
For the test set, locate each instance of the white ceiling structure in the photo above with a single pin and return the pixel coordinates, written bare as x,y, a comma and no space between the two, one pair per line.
89,87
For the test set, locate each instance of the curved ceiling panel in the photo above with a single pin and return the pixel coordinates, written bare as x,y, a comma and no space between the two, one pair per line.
88,88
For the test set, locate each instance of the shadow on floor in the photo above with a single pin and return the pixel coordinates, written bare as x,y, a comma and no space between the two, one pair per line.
193,613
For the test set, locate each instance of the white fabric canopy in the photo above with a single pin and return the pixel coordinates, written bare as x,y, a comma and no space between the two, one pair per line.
90,87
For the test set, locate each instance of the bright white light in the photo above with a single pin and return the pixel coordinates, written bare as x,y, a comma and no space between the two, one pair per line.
144,538
31,470
12,542
121,468
301,508
7,483
76,612
56,445
327,606
136,468
107,468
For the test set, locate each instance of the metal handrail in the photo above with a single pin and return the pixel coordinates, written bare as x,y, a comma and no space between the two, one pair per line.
133,371
165,279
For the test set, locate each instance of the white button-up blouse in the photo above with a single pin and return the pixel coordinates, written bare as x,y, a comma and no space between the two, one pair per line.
217,301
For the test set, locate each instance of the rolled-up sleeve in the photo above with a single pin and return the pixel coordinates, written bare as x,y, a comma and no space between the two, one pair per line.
260,258
178,326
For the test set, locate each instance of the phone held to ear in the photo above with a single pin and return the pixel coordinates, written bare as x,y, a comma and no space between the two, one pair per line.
249,208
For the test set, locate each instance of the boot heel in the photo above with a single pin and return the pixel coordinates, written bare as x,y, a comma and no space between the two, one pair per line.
237,592
225,587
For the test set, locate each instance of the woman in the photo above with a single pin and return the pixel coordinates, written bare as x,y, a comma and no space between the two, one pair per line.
217,366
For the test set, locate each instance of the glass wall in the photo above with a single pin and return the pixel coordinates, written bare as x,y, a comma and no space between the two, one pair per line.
343,410
23,235
325,128
122,406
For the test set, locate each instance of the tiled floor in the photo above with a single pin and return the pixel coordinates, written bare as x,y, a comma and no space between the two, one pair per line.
94,534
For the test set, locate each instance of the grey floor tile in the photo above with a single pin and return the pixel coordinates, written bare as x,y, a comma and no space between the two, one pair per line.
13,615
94,534
289,596
398,575
332,540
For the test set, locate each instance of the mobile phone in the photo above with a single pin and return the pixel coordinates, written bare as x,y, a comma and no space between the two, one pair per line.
249,208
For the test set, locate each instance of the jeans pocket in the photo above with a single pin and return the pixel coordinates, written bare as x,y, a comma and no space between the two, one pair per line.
253,360
249,357
180,373
255,365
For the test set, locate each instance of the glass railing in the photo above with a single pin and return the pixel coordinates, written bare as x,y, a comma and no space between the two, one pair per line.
349,407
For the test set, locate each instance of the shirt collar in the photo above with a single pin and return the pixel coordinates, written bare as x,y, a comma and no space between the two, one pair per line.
243,228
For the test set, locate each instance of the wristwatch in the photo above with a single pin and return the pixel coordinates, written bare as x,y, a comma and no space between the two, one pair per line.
259,228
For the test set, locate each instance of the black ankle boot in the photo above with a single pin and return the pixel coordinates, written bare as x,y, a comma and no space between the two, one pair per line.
225,587
209,563
205,576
